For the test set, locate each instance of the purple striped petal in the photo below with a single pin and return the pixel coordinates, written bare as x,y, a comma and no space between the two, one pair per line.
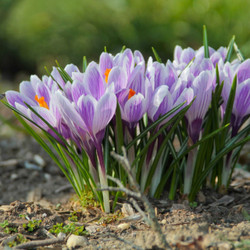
46,114
70,69
187,55
177,53
243,71
77,90
14,97
127,61
104,112
157,98
87,108
105,62
27,90
42,91
241,106
119,77
93,81
56,75
69,112
134,108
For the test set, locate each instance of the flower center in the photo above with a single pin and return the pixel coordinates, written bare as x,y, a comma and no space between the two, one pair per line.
106,74
131,93
41,102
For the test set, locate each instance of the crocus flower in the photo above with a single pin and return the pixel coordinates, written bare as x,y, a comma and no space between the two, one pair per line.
89,112
200,77
182,57
37,94
241,107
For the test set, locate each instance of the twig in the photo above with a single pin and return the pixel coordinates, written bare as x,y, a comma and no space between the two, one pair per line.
151,219
38,243
140,211
120,188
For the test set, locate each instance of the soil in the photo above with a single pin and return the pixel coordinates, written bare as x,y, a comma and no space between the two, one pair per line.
33,188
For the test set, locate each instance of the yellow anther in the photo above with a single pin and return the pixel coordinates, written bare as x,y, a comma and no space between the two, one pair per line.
131,93
106,73
41,102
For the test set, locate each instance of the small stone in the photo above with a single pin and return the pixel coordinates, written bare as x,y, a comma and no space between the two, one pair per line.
124,226
47,177
13,176
39,160
127,210
76,241
91,229
8,163
61,235
164,221
31,166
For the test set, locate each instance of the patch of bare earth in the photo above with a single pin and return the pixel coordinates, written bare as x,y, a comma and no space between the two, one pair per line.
33,188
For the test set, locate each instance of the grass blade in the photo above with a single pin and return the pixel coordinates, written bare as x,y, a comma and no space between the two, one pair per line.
230,49
205,42
158,59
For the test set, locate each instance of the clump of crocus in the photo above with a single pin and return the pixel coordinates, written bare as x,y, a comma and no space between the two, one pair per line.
146,107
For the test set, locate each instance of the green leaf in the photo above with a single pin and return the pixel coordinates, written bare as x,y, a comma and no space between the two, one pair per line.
65,76
106,148
119,129
233,144
188,65
164,143
228,112
230,49
123,48
205,42
239,53
153,125
84,64
154,135
158,59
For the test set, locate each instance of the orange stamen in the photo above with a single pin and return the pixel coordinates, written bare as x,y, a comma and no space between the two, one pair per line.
41,102
106,73
131,93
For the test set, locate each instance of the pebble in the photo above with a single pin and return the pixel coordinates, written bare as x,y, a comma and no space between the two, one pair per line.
47,177
39,160
164,221
61,235
14,176
91,229
31,166
124,226
127,210
76,241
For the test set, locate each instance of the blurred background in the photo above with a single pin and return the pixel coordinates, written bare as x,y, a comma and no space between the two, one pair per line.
34,34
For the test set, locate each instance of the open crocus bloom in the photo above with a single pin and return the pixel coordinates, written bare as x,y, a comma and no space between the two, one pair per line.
241,107
37,94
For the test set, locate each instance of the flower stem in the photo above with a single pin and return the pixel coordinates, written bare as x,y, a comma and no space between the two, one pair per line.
189,170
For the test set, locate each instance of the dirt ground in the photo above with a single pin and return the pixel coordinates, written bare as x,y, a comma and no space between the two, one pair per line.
32,188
